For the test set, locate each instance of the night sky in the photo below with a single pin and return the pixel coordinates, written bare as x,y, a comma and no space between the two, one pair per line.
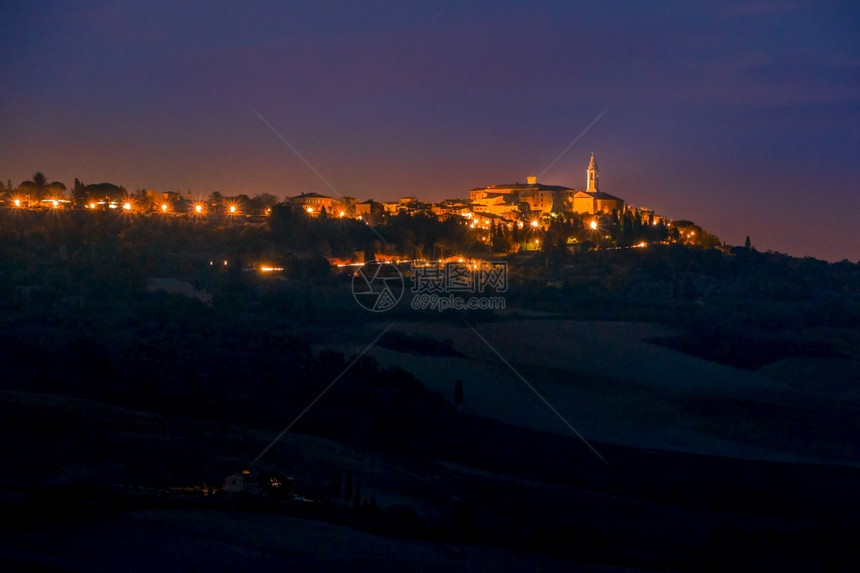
741,116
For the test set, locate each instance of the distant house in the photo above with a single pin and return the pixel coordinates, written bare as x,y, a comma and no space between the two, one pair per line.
273,484
244,482
314,203
451,208
367,208
175,286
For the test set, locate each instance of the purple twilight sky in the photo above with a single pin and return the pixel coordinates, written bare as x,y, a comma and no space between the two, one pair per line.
741,116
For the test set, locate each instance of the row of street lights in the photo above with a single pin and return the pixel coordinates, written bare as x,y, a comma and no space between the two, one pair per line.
126,206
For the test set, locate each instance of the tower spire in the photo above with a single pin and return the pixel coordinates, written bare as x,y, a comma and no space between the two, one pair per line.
592,175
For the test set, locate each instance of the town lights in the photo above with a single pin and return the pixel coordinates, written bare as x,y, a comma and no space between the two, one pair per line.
92,205
535,223
593,225
163,208
310,210
17,202
126,206
55,203
342,214
232,209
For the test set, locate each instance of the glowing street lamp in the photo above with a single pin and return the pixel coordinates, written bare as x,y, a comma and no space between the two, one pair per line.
198,208
593,225
232,209
310,210
17,202
342,214
164,207
535,223
55,203
126,206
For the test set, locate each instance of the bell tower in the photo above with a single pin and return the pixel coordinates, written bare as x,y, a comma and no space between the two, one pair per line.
593,175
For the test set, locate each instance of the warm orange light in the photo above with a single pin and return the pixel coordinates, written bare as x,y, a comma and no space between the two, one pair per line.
164,208
593,225
17,202
535,223
127,206
309,209
342,213
92,205
232,208
198,208
55,203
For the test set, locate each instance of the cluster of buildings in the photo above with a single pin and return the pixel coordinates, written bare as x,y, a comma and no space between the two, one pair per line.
508,205
504,204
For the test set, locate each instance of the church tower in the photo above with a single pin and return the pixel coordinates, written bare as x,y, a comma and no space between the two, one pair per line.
593,181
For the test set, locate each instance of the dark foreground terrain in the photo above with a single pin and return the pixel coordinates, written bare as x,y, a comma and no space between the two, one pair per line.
122,412
87,486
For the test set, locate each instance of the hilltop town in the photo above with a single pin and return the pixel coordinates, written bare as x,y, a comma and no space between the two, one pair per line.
504,218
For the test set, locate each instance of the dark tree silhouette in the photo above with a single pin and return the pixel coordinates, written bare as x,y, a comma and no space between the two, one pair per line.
39,180
458,392
79,193
347,490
